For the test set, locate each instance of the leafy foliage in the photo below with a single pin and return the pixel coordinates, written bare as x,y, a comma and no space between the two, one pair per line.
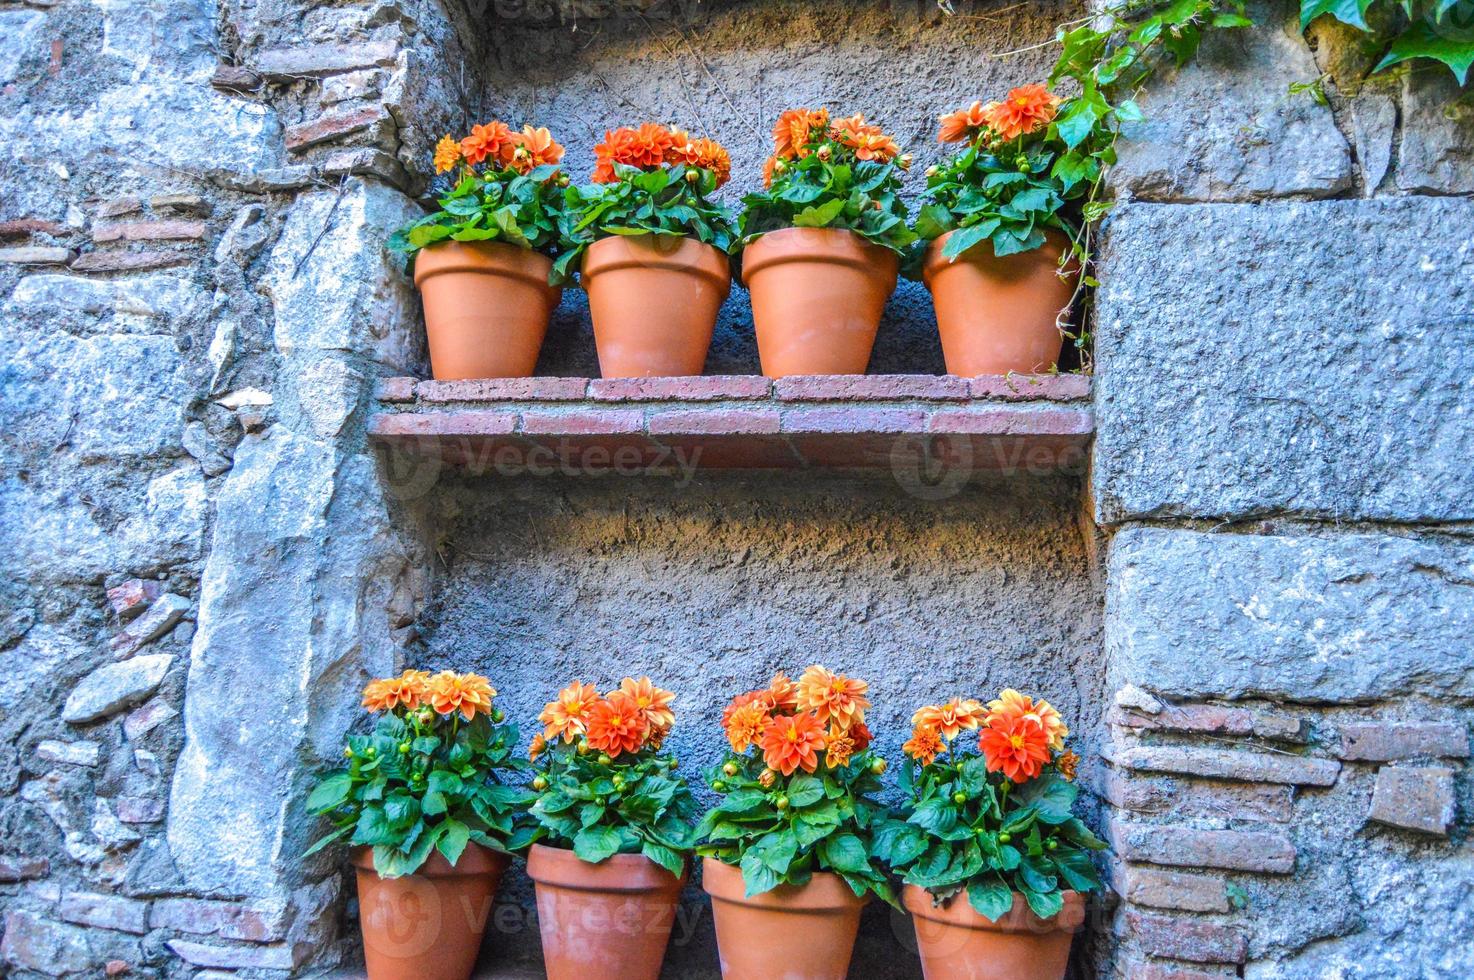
598,806
861,196
669,200
965,828
780,830
424,781
1435,31
493,206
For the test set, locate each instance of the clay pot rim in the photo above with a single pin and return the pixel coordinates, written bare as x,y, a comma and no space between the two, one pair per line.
475,860
837,246
492,258
562,868
825,892
1055,244
651,252
958,911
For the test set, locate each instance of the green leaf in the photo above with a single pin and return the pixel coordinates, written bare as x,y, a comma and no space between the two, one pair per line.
744,800
776,849
427,235
991,898
845,852
373,827
1353,12
1077,869
665,857
441,781
1044,904
804,789
1051,795
1421,41
757,876
433,804
1033,876
329,793
934,221
453,841
818,217
401,810
595,844
325,841
936,815
1078,120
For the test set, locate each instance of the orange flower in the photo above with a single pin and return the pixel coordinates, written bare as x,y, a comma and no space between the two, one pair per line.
566,717
407,690
832,696
861,735
951,718
924,746
770,167
648,147
538,746
651,700
1067,764
1011,704
742,700
868,142
839,745
793,742
447,154
616,725
617,147
704,153
535,147
1018,747
961,126
745,725
494,141
795,129
1026,110
783,692
467,693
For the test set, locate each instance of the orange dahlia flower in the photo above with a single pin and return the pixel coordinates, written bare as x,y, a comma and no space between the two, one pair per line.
617,147
494,141
535,147
1026,110
952,718
447,154
745,725
792,742
407,691
832,696
924,745
654,702
1011,704
795,129
1067,763
566,717
861,735
705,153
869,142
839,746
784,692
538,747
1017,747
617,724
742,700
770,167
648,147
467,693
961,126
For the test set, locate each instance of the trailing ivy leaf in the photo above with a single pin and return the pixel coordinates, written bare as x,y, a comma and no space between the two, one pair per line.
1353,12
990,898
1422,41
595,844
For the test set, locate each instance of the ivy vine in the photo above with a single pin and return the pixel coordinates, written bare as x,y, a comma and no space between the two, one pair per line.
1427,31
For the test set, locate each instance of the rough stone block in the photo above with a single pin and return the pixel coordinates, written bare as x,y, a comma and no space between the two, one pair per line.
146,718
1321,369
1213,719
1414,798
1436,152
276,957
35,943
70,753
36,255
173,229
138,809
115,686
132,597
395,390
1232,850
1345,618
1389,741
1199,798
316,60
1195,940
330,127
26,227
131,261
105,912
14,869
229,920
1175,890
1244,766
161,617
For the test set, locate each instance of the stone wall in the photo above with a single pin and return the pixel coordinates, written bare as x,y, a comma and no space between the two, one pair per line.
209,560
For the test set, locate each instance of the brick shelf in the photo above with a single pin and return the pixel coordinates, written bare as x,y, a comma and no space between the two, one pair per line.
1020,425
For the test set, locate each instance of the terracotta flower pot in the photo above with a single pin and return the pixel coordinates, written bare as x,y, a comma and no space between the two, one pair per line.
800,931
486,308
612,919
426,924
958,944
998,315
654,302
817,298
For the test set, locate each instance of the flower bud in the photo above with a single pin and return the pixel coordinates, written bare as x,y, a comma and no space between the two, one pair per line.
563,180
781,803
347,752
539,784
1022,162
604,759
618,782
767,779
692,176
1052,844
498,716
904,161
583,747
1004,838
878,766
730,769
933,170
404,748
673,763
718,786
959,797
824,153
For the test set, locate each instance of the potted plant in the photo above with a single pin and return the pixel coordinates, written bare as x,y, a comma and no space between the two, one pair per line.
994,862
482,262
614,828
423,801
1001,220
788,851
653,248
822,243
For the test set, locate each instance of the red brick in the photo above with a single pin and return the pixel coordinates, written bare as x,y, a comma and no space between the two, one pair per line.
1213,719
582,422
1414,798
1244,766
1029,387
503,390
467,423
692,389
1175,890
395,390
1389,741
23,869
127,204
116,968
280,956
130,261
326,128
105,912
132,597
1195,940
854,420
139,809
235,78
22,227
170,229
1196,798
229,920
736,421
317,60
874,387
1186,847
1015,421
1159,970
